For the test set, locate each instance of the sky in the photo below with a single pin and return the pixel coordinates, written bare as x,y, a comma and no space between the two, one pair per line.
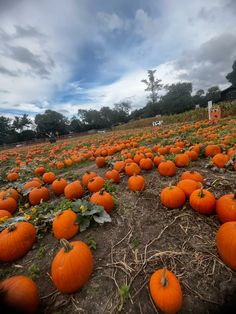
67,55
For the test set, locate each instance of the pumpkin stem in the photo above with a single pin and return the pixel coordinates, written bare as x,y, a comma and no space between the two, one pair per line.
101,192
201,194
164,281
66,245
11,228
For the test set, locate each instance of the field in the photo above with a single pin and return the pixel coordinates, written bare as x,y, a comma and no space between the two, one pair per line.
144,232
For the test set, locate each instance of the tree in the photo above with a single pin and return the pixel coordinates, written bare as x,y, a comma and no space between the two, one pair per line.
231,77
20,122
198,98
75,125
51,121
121,111
178,98
213,93
153,86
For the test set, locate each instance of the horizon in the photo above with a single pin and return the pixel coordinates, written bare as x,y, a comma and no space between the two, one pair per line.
72,55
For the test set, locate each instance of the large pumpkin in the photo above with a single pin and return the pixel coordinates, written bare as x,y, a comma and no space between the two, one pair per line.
226,208
64,225
73,190
166,291
38,195
226,243
72,266
16,241
19,294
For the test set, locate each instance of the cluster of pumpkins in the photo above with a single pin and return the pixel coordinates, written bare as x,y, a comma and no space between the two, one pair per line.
72,266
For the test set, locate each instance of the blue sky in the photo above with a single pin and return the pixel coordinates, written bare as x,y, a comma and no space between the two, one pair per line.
71,54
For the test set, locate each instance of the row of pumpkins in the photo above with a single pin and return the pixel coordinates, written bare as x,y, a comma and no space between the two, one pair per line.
15,241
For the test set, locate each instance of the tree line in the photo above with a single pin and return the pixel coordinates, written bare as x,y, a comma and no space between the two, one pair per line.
178,98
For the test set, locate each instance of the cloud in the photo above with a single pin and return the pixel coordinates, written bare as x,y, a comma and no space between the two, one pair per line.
110,22
7,72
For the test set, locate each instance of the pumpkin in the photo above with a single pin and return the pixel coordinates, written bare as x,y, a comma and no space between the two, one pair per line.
19,294
104,199
39,171
5,213
202,201
157,160
100,162
167,168
220,160
9,193
113,175
192,175
136,183
166,291
226,243
96,184
146,164
182,160
188,186
12,176
49,177
64,225
212,150
8,203
73,190
72,266
226,208
31,184
132,168
87,176
38,195
119,165
16,241
172,197
59,185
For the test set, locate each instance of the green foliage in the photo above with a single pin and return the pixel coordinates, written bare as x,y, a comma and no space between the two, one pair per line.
110,186
231,77
153,85
33,272
124,293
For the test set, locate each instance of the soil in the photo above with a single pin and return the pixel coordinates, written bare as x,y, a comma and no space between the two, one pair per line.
142,237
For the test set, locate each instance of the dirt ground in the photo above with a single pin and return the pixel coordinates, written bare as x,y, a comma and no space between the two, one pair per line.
142,237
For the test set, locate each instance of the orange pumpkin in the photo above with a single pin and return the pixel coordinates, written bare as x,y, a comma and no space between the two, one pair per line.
202,201
226,243
226,208
146,164
64,225
172,197
132,168
39,171
188,186
100,162
192,175
104,199
166,291
73,190
16,241
96,184
5,213
59,185
87,176
12,176
220,160
211,150
19,295
136,183
182,160
72,266
9,204
113,175
39,194
167,168
49,177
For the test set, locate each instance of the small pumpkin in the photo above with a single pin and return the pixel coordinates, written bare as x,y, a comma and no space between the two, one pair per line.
16,241
188,186
73,190
49,177
202,201
226,208
226,243
19,294
172,197
87,176
39,194
211,150
182,160
119,165
136,183
132,168
104,199
166,291
96,184
167,168
31,184
100,162
39,171
220,160
5,214
9,193
113,175
8,203
192,175
64,225
12,176
72,266
58,186
146,164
